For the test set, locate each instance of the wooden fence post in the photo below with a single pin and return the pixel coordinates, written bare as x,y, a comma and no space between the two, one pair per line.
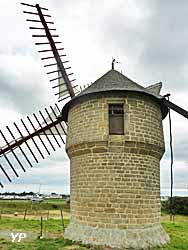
1,213
41,228
25,213
62,220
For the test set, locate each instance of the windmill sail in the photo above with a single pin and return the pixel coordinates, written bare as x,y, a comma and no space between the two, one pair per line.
63,91
60,72
37,133
60,128
176,108
43,132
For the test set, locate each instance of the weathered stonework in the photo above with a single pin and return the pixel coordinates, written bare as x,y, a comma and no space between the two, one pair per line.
115,179
138,238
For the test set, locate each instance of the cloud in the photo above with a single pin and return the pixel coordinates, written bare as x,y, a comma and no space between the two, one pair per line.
149,38
180,174
22,84
165,40
54,170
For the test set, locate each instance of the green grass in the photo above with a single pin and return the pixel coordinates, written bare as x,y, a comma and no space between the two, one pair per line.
51,225
45,244
11,206
178,232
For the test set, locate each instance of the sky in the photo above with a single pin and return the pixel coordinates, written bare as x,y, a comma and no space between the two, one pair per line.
148,38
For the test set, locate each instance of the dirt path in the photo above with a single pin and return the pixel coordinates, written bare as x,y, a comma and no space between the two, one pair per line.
53,214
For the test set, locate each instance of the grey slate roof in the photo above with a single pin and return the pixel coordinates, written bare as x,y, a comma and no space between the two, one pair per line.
114,80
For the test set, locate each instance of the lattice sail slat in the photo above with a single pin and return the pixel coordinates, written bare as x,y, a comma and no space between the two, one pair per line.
50,49
30,141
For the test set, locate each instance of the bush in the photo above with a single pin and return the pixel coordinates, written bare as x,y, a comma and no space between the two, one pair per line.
54,206
179,205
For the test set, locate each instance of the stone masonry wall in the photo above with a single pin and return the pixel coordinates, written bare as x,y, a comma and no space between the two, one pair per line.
115,179
88,120
115,190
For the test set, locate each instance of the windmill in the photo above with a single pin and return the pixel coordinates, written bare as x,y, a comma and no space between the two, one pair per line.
45,123
114,140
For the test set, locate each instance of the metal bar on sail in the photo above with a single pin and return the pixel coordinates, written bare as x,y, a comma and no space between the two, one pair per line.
10,164
26,4
15,156
38,28
44,35
44,132
38,136
37,21
33,13
50,57
52,64
55,52
32,138
57,117
55,126
19,147
48,50
45,43
50,129
24,141
5,173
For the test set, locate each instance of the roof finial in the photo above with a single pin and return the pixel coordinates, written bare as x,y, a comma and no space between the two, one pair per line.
113,62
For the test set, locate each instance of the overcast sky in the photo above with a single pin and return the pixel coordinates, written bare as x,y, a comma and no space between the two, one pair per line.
150,40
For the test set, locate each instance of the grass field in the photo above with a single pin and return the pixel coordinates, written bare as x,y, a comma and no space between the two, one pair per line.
25,208
11,206
49,226
53,233
178,232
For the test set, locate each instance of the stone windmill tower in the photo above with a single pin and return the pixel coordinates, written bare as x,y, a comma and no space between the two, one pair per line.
115,143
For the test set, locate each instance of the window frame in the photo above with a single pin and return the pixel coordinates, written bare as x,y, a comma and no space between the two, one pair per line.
118,113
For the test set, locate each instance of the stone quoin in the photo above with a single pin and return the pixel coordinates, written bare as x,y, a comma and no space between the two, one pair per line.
115,171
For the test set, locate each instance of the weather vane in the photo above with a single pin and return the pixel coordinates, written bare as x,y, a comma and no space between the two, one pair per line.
113,62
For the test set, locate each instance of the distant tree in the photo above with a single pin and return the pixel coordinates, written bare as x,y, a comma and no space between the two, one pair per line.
17,194
179,205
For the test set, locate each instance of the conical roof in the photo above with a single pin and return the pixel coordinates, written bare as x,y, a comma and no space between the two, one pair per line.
114,81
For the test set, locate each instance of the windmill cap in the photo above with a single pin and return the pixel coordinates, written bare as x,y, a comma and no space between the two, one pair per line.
114,81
